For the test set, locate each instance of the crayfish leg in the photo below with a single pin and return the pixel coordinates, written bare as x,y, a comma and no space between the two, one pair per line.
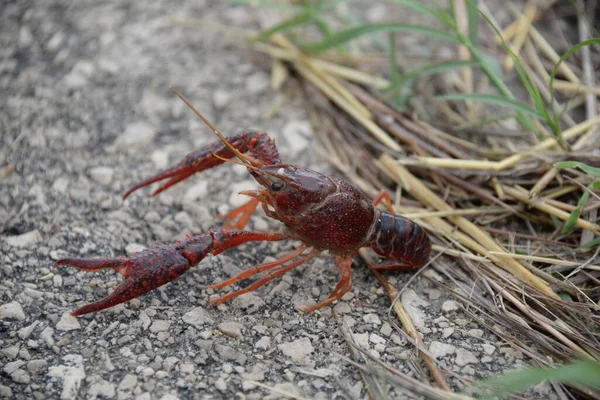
269,277
344,264
393,265
238,218
258,269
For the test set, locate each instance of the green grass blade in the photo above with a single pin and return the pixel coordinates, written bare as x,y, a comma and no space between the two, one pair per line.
489,70
402,81
269,4
438,67
395,73
357,31
473,18
329,4
593,171
582,372
297,20
560,61
588,245
494,99
416,5
571,222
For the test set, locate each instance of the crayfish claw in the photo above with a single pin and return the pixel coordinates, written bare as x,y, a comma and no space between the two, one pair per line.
143,272
95,264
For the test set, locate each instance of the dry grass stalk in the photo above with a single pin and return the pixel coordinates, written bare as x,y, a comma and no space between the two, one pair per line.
544,206
521,32
539,40
508,162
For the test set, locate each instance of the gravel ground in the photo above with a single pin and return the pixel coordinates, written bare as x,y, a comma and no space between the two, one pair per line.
86,112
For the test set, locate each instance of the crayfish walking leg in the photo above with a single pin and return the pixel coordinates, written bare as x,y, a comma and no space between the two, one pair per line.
158,265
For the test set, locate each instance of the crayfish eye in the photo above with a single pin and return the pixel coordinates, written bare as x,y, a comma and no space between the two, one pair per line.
276,186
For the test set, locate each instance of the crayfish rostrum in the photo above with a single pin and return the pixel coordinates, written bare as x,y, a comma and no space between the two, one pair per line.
322,212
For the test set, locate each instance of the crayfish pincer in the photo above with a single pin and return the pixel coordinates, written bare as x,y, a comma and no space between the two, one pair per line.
322,212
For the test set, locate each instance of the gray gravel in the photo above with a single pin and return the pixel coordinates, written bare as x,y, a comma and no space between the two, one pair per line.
86,112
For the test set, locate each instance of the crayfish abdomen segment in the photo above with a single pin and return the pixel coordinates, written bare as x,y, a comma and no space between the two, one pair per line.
401,239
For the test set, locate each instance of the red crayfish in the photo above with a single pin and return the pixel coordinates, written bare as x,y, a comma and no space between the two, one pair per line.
322,212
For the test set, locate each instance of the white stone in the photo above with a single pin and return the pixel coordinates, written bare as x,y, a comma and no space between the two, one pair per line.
101,389
27,239
5,392
249,302
220,385
439,349
145,320
221,98
361,339
237,200
68,323
36,365
450,305
447,332
386,329
133,248
257,82
25,332
11,352
187,368
488,349
297,349
296,134
233,329
196,192
25,37
372,319
198,316
159,325
464,357
160,159
71,374
12,310
342,308
263,343
128,383
136,134
412,303
102,175
376,339
11,367
21,376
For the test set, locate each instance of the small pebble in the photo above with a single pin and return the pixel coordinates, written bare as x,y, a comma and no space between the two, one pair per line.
233,329
102,175
68,323
263,343
24,240
159,325
12,310
297,349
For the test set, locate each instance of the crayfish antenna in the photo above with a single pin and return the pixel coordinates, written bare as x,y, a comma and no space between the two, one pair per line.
227,160
235,151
